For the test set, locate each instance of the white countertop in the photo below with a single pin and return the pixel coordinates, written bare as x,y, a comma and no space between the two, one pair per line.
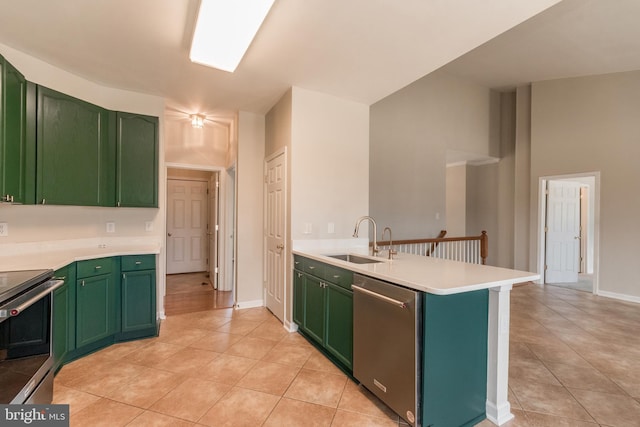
427,274
55,255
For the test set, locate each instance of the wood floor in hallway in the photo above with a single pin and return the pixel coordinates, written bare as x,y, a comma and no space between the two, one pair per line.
192,292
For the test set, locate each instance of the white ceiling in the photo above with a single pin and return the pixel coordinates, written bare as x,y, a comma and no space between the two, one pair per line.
361,50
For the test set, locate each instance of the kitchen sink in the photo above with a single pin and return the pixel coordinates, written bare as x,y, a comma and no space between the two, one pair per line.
354,259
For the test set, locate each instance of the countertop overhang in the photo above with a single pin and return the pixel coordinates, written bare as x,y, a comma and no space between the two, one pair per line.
427,274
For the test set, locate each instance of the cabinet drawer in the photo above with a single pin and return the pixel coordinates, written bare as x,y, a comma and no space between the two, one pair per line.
138,262
338,276
94,267
313,267
298,261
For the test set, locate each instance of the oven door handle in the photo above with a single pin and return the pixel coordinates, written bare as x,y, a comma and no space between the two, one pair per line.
18,305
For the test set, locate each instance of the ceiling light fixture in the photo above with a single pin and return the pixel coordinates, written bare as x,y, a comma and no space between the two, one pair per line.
197,121
224,31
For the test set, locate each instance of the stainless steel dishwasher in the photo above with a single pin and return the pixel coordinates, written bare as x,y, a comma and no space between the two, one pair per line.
387,349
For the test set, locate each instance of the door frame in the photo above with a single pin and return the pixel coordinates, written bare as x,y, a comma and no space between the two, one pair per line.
221,206
542,212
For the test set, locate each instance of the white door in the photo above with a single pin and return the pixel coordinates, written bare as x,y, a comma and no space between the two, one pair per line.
274,228
213,229
563,232
186,226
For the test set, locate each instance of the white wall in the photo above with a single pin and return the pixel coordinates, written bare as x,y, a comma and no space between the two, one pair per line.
249,213
329,165
456,200
411,131
591,124
208,146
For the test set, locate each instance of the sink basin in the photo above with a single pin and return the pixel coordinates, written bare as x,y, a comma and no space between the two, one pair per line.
354,259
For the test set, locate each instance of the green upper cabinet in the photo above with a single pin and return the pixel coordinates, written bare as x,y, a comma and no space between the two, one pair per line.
13,143
137,160
75,154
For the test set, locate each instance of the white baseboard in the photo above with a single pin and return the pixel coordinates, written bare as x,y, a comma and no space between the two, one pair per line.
290,326
622,297
241,305
499,415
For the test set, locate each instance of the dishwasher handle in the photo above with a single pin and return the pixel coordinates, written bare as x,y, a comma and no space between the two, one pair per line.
380,296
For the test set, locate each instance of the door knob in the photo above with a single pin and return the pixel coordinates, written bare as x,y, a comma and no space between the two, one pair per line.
280,246
169,234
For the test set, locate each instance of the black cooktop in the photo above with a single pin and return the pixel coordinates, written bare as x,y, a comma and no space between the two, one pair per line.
13,283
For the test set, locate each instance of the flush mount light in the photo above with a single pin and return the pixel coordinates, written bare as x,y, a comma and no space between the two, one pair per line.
197,121
224,31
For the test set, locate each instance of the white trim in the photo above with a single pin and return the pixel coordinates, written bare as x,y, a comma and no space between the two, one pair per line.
290,326
241,305
621,297
501,415
542,201
194,167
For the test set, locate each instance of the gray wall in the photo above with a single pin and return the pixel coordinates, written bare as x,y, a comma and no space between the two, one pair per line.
411,131
482,203
592,124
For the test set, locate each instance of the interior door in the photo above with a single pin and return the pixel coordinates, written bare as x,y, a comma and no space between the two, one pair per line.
186,226
274,227
563,232
214,227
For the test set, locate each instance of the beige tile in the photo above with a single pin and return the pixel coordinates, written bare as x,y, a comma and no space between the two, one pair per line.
105,413
253,348
354,419
216,341
209,321
513,400
77,400
143,391
317,387
317,361
610,409
272,378
122,350
257,314
153,353
548,399
543,420
240,408
81,367
239,326
288,354
191,399
290,412
557,353
294,338
524,370
187,360
180,335
583,377
226,369
108,378
153,419
269,330
356,398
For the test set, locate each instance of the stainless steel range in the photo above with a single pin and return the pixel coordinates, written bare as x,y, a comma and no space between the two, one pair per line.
26,307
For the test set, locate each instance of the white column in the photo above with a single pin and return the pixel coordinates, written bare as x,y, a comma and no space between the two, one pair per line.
498,407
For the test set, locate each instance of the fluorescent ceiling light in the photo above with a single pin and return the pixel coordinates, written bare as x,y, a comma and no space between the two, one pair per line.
224,31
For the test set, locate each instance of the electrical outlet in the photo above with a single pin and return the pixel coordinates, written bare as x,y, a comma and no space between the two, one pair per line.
111,227
331,228
4,229
148,226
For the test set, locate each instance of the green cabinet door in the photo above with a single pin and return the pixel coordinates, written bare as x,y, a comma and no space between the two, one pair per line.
138,300
13,150
137,160
75,155
298,298
95,308
339,323
314,297
63,327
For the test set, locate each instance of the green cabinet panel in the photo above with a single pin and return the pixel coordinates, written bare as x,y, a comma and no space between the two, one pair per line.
63,326
454,384
138,262
138,300
95,308
14,156
314,301
93,267
137,160
75,154
298,298
339,323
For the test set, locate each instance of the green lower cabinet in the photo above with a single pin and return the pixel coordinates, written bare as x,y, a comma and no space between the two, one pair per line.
95,309
339,323
314,301
63,327
138,303
298,300
454,387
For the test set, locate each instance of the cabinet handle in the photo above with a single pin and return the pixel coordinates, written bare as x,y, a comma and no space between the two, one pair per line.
336,276
44,201
124,275
138,262
312,268
118,204
98,267
82,283
299,275
60,278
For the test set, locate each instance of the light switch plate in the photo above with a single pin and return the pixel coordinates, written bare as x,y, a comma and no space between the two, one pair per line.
4,229
148,226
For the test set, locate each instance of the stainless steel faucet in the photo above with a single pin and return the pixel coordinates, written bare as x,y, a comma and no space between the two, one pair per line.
391,251
375,249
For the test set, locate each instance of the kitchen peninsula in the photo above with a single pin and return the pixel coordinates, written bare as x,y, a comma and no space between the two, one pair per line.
462,339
